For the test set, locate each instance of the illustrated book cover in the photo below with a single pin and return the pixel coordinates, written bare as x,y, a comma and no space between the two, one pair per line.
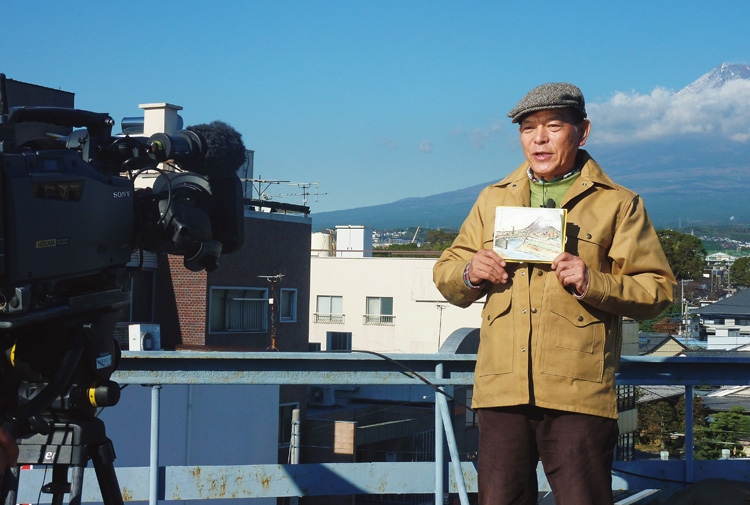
534,235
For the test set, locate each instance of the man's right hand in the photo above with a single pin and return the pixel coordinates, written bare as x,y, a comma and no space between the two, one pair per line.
487,265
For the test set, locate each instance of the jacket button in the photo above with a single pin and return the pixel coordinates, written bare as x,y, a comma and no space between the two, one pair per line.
523,311
539,272
488,318
523,349
580,319
588,236
533,310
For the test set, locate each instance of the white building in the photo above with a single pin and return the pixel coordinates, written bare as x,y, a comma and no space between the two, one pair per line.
378,304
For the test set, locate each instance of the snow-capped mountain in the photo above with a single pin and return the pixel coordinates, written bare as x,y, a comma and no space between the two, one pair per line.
717,77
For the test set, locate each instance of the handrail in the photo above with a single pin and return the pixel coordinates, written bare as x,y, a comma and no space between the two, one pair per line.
158,368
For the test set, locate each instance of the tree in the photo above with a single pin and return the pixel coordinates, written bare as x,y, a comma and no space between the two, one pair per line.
661,423
402,250
723,432
440,240
685,253
656,422
739,272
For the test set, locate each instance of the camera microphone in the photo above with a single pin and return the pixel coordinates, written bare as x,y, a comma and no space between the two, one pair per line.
225,150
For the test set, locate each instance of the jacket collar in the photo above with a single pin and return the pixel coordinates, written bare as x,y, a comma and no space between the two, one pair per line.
591,175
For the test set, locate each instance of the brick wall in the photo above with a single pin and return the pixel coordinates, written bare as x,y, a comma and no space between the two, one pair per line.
180,303
272,247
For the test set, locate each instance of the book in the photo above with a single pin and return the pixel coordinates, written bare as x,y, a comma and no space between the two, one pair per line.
534,235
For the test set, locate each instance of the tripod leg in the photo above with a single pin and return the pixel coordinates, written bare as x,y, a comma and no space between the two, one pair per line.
103,459
59,485
76,485
9,490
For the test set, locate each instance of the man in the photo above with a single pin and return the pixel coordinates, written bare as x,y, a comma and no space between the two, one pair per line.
550,339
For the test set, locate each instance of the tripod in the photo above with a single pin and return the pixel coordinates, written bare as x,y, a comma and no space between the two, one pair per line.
68,446
53,419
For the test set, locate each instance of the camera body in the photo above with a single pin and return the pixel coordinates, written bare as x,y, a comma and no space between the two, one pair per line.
71,219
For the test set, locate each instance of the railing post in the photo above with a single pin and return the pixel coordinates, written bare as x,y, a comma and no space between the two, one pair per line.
439,453
453,448
153,489
689,461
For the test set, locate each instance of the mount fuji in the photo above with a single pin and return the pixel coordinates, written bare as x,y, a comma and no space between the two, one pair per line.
688,156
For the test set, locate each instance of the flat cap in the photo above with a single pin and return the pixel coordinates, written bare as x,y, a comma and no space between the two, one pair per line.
553,95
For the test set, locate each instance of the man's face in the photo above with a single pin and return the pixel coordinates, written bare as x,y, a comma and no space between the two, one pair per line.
550,141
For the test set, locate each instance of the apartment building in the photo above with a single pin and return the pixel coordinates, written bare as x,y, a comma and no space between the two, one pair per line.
358,301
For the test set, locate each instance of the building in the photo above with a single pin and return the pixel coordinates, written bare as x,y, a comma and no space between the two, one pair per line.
659,344
380,304
727,321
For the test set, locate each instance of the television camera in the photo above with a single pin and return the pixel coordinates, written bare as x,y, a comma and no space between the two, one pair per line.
71,221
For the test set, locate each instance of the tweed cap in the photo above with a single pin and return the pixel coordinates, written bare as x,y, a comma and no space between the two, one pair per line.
553,95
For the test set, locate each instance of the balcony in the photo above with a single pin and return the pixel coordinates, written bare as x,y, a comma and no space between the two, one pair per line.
378,319
328,318
639,478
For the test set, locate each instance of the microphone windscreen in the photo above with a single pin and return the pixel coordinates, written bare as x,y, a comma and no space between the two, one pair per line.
225,151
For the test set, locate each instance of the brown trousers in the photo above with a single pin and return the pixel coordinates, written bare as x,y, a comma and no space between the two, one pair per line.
576,451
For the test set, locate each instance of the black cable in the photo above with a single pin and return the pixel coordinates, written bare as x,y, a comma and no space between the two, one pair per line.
408,370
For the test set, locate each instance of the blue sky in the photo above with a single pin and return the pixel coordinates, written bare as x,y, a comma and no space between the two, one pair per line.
377,100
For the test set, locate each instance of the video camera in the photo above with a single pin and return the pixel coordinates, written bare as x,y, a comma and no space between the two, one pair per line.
71,219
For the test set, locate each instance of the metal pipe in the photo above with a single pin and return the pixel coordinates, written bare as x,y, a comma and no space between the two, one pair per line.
439,453
689,461
153,489
442,403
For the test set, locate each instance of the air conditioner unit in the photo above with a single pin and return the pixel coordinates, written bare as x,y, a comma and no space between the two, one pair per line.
144,337
321,396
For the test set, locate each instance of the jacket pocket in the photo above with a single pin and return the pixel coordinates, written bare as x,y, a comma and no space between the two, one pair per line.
496,335
573,346
590,245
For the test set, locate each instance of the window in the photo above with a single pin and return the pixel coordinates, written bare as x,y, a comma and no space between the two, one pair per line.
338,341
141,288
379,310
330,309
288,306
238,310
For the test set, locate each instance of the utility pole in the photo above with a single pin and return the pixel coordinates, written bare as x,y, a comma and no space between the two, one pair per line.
272,279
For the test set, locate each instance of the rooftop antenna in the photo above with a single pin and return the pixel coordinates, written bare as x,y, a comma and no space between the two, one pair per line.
273,280
261,186
304,186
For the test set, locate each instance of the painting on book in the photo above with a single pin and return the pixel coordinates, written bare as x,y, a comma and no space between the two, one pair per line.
534,235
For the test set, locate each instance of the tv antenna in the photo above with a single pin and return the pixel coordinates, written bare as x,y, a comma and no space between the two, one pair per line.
260,186
304,186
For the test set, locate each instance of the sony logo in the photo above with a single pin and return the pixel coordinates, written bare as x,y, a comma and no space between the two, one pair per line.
121,194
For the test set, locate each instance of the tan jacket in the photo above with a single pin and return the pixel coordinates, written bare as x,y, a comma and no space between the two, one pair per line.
539,344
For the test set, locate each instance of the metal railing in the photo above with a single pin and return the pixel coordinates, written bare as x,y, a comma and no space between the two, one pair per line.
156,483
378,319
327,317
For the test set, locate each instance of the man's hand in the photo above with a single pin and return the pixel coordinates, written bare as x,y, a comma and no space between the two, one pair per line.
487,265
8,450
572,272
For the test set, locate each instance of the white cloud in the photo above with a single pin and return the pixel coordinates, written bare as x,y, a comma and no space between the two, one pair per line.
425,146
629,117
